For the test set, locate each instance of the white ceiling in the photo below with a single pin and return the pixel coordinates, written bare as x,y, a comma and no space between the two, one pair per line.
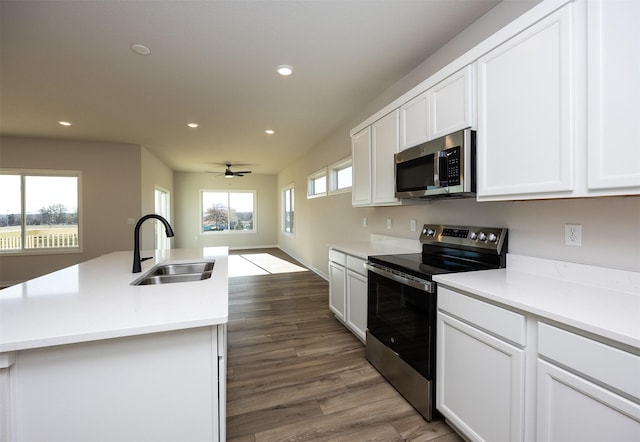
211,62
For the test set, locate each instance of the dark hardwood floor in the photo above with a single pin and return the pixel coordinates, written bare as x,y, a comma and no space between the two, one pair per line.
296,374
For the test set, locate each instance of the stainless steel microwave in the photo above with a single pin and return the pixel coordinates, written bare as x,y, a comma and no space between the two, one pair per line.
444,167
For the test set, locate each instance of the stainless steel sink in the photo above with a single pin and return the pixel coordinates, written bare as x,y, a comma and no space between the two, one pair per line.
182,268
176,272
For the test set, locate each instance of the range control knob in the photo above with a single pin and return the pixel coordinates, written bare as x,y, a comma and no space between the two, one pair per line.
431,232
482,236
474,236
493,237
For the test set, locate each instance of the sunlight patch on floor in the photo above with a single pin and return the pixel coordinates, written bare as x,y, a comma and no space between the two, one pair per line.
260,264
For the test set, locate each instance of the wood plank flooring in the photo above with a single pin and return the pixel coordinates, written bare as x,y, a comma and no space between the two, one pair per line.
296,374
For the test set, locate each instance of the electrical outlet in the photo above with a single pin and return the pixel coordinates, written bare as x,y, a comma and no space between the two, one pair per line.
573,234
365,223
413,225
388,223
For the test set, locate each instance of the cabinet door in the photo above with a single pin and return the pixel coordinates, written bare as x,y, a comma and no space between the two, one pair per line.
614,94
414,121
525,146
384,137
357,304
337,292
480,382
572,408
361,168
452,103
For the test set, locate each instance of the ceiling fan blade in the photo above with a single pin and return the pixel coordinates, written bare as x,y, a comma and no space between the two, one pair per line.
242,171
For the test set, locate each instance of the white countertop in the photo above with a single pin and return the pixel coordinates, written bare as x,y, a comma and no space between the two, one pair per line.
605,302
378,245
94,300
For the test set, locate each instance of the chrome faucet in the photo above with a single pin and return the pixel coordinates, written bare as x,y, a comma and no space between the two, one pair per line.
137,261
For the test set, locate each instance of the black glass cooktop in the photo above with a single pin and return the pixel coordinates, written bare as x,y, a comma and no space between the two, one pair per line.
427,265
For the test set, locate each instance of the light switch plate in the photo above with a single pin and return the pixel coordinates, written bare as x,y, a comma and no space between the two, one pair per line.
389,223
413,225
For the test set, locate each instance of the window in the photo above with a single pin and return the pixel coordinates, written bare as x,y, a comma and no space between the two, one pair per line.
317,184
227,211
162,208
288,208
39,211
340,176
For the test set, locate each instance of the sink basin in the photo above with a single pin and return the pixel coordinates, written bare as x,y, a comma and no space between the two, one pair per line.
176,272
182,268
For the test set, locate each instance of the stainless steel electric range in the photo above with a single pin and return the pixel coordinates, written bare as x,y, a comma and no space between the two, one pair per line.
401,309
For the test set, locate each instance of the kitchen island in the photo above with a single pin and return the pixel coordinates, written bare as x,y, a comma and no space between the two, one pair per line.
85,355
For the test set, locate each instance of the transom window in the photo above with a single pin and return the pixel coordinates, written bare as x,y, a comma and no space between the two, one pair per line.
340,176
227,211
39,211
317,184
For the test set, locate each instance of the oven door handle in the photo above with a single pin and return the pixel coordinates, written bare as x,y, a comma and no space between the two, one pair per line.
420,284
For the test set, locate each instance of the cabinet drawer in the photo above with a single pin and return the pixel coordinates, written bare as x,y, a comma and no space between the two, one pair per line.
497,320
337,257
356,264
611,366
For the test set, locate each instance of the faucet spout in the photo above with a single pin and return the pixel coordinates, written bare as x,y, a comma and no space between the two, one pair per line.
137,267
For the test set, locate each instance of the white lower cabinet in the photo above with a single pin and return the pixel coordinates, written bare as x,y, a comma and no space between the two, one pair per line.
337,289
165,386
480,375
348,291
503,375
587,390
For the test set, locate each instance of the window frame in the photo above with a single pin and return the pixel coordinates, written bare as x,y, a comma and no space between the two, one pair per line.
334,169
228,231
53,173
284,191
311,179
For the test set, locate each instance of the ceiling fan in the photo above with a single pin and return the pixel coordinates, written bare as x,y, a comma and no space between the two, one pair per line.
228,173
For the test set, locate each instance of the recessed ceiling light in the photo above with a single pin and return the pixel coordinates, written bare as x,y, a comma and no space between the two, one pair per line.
284,70
140,49
64,123
270,131
192,125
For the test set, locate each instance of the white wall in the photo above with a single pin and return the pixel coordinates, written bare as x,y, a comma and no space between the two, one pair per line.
611,226
186,207
110,196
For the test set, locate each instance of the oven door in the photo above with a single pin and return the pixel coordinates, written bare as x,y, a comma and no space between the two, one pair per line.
403,318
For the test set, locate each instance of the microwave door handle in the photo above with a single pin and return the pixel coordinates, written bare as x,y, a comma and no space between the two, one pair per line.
439,158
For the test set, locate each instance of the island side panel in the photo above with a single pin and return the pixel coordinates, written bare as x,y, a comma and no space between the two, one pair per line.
160,387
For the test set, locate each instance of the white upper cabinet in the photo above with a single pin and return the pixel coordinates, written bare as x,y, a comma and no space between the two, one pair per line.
525,143
414,121
384,136
445,108
613,96
361,167
373,163
452,103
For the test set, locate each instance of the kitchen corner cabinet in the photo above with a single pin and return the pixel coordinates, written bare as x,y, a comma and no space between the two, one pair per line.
586,390
525,143
613,96
373,164
480,367
446,107
348,291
